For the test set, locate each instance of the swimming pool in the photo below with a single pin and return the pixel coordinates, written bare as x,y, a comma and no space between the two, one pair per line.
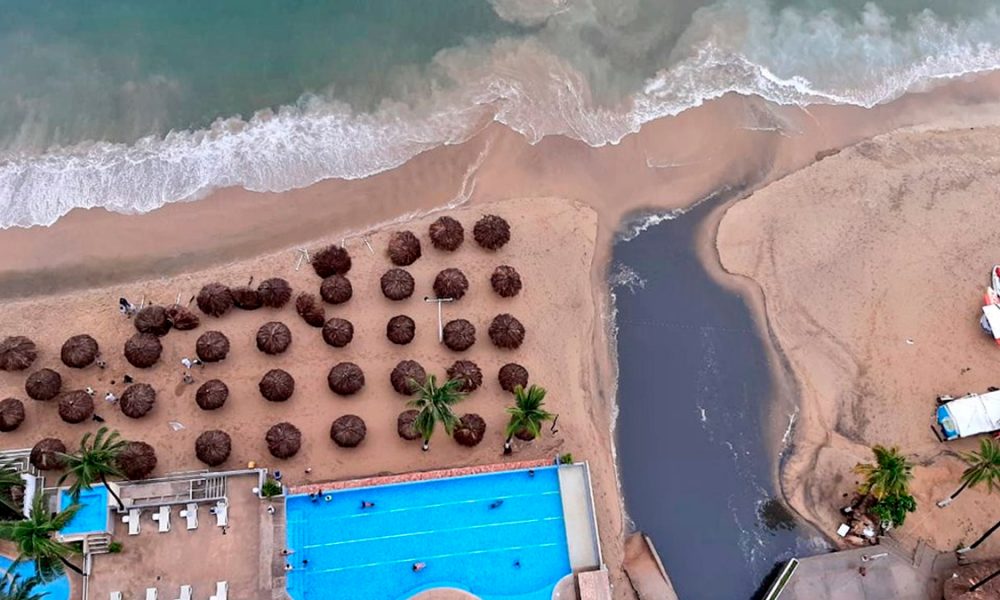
56,589
516,550
93,514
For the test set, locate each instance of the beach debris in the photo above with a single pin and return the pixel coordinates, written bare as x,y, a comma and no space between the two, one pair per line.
491,232
404,248
506,281
213,447
176,425
446,234
348,431
909,342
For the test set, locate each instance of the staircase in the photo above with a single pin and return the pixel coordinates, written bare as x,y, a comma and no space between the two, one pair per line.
98,543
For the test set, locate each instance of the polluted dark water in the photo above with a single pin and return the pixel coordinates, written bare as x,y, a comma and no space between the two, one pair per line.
694,390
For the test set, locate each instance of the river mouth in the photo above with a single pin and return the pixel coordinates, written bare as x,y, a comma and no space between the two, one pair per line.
694,393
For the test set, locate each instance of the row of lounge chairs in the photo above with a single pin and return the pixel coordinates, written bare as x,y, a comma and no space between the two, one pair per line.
187,593
189,514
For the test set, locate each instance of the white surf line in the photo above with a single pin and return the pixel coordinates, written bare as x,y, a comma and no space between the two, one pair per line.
791,424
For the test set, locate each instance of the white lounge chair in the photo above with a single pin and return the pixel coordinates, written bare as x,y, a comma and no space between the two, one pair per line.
191,514
132,518
221,512
221,591
151,594
185,593
163,518
117,596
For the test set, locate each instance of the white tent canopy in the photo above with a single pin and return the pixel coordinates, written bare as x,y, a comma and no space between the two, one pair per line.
975,413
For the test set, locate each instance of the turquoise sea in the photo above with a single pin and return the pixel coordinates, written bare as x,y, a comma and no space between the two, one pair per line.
130,105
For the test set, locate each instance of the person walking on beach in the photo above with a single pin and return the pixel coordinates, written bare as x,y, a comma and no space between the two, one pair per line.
110,397
419,566
90,391
187,362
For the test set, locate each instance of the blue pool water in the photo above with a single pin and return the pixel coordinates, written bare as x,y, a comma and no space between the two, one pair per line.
56,589
515,551
92,516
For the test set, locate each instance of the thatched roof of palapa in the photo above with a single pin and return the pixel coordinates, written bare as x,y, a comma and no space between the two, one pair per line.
142,350
17,353
506,331
512,375
407,376
46,454
273,338
404,248
397,284
277,385
447,234
346,378
11,414
137,460
506,281
212,346
348,431
459,335
309,308
400,329
404,425
182,317
338,332
470,430
213,447
468,373
76,406
491,232
336,289
450,283
246,298
43,384
215,299
283,440
212,394
79,351
274,292
332,260
137,400
152,319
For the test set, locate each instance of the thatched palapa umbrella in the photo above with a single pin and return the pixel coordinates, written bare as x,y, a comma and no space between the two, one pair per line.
338,332
273,338
212,394
79,351
309,308
17,353
137,400
470,430
43,384
512,375
459,335
447,234
506,331
246,298
152,319
212,346
491,232
277,385
142,350
332,260
468,373
274,292
397,284
46,455
346,378
182,317
404,248
407,377
215,299
348,431
11,414
76,406
213,447
450,283
404,425
283,440
136,460
336,289
400,329
506,281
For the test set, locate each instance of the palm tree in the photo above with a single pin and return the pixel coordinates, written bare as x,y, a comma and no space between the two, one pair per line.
889,476
526,415
96,460
434,403
984,467
13,587
34,538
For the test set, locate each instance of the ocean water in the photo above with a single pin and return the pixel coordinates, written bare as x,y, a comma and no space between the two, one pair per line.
130,105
